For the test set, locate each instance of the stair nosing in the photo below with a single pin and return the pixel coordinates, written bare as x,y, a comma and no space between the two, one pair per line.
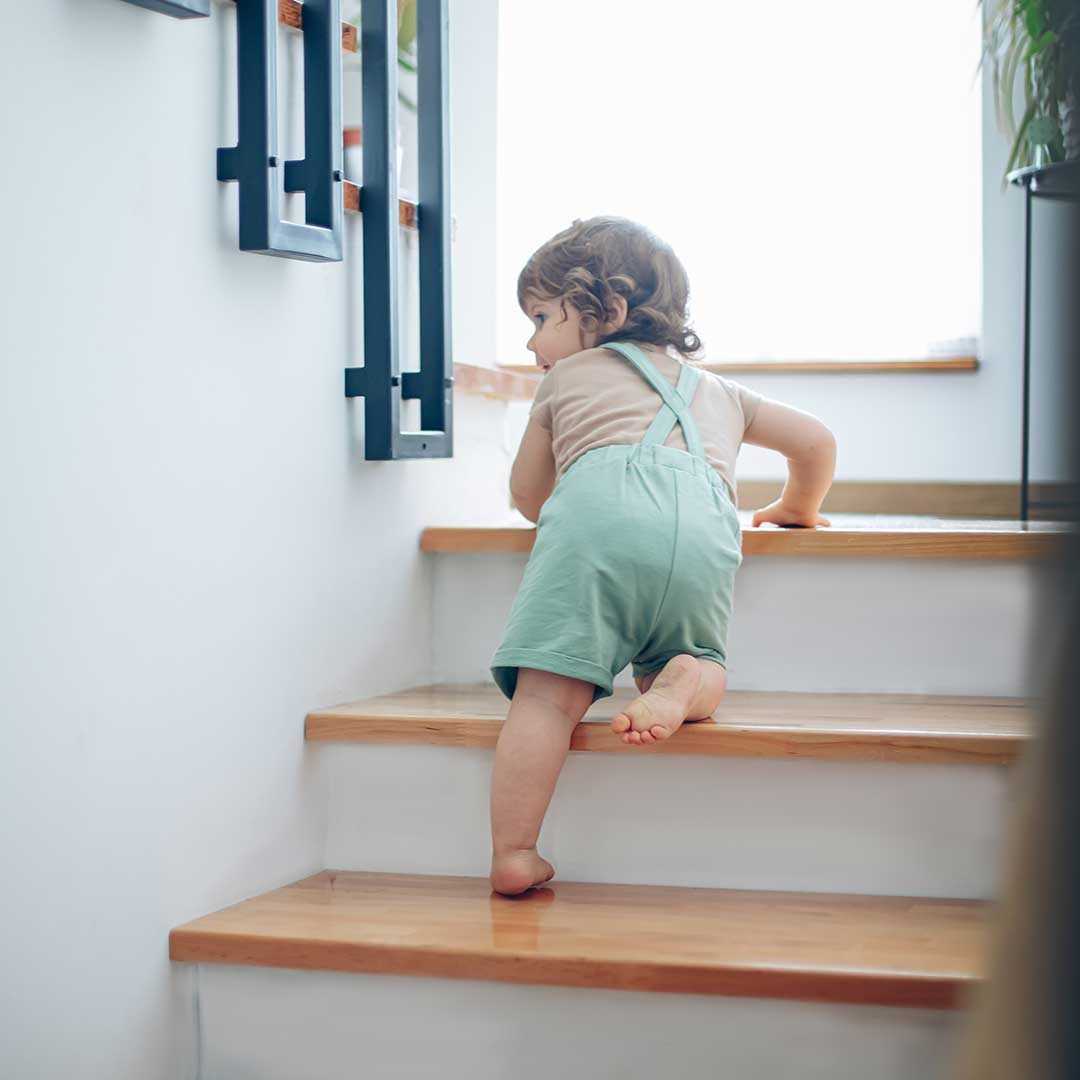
1034,541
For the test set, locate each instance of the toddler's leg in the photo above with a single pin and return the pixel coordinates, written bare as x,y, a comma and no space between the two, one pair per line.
687,689
532,748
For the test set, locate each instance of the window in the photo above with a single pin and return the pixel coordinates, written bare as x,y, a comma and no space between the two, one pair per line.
815,166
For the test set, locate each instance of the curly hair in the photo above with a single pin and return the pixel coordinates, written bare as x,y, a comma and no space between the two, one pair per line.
592,262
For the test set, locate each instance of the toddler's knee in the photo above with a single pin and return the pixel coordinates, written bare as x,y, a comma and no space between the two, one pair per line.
567,696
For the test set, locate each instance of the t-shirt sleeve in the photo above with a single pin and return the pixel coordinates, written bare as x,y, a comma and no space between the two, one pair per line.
543,403
748,400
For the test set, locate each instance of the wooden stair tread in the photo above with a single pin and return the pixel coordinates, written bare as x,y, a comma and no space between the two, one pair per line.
849,367
872,535
882,727
808,946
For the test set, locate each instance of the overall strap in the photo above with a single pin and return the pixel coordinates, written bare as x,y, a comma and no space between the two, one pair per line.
677,399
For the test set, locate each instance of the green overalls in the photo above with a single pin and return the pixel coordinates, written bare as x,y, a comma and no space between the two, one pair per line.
635,556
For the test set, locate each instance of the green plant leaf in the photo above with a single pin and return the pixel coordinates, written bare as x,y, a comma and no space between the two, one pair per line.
1018,141
1007,88
1044,41
407,25
1043,131
1034,17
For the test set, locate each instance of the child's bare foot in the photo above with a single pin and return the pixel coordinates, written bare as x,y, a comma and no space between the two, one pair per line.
660,711
518,871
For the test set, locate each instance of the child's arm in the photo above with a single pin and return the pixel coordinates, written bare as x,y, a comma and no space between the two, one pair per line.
810,449
532,478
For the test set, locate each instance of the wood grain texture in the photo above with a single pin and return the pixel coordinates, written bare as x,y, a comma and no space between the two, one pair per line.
851,535
799,946
848,727
407,209
810,367
291,13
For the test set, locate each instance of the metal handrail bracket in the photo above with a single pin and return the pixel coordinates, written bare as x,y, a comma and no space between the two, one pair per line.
254,161
380,381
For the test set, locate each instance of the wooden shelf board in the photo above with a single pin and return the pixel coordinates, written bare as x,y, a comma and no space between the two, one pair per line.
291,13
408,211
806,367
851,535
800,946
866,727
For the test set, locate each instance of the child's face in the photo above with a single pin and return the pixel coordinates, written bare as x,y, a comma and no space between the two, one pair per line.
557,331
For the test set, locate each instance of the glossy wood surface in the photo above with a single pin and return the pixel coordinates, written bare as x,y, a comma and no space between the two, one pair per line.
851,535
407,209
291,13
869,727
807,946
810,367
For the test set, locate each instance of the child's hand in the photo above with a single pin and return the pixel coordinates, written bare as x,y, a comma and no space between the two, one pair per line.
779,514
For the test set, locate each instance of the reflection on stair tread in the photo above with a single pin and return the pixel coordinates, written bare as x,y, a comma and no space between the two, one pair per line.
809,946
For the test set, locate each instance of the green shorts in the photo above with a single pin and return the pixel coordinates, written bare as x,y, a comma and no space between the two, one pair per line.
635,559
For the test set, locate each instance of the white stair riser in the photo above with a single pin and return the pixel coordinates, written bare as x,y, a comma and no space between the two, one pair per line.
744,823
924,626
280,1025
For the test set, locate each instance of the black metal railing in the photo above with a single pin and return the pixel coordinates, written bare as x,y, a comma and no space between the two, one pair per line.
254,164
380,381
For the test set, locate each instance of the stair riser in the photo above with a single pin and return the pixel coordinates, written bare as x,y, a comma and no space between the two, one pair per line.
744,823
924,626
280,1025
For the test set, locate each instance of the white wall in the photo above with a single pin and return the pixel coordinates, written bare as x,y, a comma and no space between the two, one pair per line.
194,551
944,426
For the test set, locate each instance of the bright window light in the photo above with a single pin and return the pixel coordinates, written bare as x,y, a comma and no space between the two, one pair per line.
815,166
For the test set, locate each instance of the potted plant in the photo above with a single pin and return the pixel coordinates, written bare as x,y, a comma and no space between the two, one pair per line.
406,59
1032,48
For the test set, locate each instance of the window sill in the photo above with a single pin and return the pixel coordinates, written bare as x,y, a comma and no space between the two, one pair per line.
502,384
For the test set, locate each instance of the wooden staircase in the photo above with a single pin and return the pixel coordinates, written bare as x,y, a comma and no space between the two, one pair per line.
802,850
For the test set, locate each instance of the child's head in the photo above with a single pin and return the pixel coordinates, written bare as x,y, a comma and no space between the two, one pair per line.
605,279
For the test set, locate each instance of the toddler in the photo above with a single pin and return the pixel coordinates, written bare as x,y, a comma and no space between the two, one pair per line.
627,466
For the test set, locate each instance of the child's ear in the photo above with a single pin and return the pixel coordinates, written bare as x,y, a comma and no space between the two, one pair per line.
617,312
